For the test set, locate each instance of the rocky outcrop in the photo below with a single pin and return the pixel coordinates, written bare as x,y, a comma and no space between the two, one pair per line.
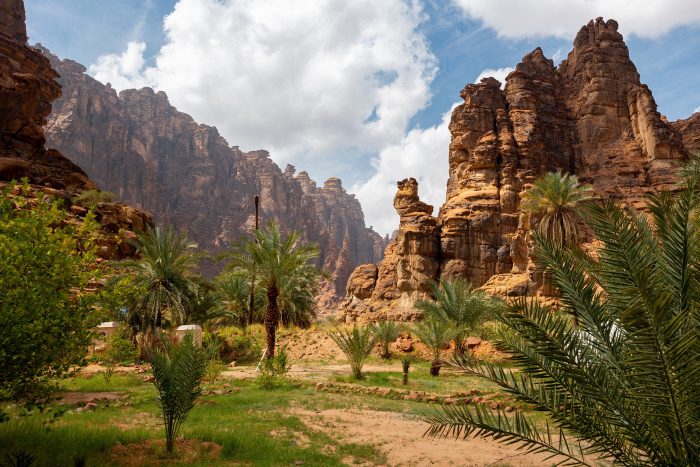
150,155
590,116
410,265
690,132
27,88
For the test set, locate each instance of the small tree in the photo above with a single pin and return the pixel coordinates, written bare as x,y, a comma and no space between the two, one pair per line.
118,349
386,332
405,365
178,371
461,305
357,345
47,261
556,200
436,334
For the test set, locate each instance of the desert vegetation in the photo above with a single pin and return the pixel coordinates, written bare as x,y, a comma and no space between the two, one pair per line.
605,374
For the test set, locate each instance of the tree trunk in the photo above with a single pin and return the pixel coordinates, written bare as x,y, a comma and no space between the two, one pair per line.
271,319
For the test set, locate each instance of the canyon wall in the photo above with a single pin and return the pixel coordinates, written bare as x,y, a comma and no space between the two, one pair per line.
589,116
138,146
28,85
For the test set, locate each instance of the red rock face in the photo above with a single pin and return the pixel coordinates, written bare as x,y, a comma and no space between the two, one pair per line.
690,132
138,146
27,87
591,116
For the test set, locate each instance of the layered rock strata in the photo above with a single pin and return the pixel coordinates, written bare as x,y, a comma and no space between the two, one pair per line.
589,116
27,88
150,155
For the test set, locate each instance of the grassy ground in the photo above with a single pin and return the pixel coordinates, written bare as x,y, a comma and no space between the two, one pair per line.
251,425
241,422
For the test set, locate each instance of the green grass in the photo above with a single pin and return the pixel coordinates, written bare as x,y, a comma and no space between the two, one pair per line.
420,380
241,422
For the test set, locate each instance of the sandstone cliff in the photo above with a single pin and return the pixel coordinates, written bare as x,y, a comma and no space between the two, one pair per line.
590,116
150,155
27,87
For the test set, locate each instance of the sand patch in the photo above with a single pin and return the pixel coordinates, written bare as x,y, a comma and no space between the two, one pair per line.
400,437
82,398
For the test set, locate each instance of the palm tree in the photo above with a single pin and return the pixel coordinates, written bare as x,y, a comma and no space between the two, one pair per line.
463,306
276,259
436,334
386,333
164,274
556,199
357,345
297,297
624,384
233,292
177,375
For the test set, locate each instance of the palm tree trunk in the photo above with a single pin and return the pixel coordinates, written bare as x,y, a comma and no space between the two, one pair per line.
271,319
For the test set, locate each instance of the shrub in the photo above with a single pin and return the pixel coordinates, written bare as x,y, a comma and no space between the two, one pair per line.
214,367
271,369
386,332
118,350
46,265
91,198
178,371
356,345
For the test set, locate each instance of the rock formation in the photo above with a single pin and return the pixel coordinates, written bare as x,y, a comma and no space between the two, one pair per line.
27,87
150,155
590,116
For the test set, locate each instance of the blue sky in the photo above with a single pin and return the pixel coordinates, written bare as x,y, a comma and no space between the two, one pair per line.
322,120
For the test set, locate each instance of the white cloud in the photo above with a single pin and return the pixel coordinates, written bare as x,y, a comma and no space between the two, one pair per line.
697,109
500,74
122,71
519,19
421,154
306,81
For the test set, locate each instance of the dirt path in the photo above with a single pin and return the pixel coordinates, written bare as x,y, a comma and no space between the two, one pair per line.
401,439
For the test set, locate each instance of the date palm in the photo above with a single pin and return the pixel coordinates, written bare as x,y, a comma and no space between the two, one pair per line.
178,371
623,384
386,333
463,306
436,334
357,345
276,260
555,200
164,274
232,290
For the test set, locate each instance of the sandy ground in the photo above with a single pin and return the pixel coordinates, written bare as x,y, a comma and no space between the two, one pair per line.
401,439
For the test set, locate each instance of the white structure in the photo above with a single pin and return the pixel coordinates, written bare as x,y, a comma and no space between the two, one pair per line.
194,329
107,329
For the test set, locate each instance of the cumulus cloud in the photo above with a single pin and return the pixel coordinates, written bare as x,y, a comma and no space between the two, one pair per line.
122,70
697,109
305,82
500,74
421,154
518,19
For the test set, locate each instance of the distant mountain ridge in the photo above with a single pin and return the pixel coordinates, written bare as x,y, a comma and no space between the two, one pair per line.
157,158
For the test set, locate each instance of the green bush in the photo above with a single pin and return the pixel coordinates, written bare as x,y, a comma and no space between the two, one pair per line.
271,369
240,345
91,198
119,350
46,265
